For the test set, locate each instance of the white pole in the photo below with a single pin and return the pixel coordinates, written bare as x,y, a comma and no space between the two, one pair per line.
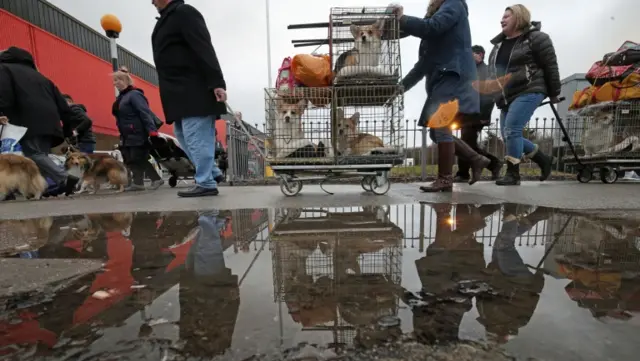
269,70
114,57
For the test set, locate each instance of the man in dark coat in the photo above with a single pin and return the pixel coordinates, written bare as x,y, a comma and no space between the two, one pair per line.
471,130
28,99
192,88
81,126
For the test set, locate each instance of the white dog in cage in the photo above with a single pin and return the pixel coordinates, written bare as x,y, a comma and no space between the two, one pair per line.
288,133
601,137
365,56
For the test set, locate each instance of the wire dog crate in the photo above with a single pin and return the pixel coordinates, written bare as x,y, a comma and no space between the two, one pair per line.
606,244
337,271
609,135
353,127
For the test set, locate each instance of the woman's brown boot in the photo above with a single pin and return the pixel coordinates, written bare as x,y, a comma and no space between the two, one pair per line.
444,182
478,162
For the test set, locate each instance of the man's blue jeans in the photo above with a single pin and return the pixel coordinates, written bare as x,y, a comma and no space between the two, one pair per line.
514,119
197,138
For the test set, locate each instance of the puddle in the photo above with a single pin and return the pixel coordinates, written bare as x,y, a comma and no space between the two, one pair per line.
535,282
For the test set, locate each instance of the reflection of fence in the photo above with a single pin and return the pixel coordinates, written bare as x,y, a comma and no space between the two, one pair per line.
245,161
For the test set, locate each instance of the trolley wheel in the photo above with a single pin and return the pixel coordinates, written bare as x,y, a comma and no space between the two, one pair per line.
366,182
380,185
173,181
608,175
585,175
290,188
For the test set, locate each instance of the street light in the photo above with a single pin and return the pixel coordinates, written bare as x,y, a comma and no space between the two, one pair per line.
112,28
269,70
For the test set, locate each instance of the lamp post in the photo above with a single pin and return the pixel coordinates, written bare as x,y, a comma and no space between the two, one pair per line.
268,45
112,28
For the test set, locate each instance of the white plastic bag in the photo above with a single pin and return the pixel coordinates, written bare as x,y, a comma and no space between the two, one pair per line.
10,135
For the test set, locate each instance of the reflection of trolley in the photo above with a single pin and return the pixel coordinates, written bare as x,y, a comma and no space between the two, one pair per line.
352,127
338,271
609,135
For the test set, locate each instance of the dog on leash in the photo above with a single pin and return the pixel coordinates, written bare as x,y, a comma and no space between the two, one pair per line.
97,169
21,174
367,48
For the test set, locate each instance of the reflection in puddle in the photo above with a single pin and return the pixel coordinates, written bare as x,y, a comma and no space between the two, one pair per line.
540,282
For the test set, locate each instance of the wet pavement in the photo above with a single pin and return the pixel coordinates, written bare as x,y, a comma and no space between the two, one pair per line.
385,282
567,194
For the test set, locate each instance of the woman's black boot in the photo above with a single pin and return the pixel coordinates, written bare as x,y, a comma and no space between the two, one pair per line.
543,161
512,176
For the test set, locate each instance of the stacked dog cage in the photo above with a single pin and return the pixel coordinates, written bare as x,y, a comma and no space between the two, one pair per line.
338,271
608,134
351,128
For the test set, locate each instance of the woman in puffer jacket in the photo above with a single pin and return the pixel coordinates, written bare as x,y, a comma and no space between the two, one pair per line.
526,53
136,125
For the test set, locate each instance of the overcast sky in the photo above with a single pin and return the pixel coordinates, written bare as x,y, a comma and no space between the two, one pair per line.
581,30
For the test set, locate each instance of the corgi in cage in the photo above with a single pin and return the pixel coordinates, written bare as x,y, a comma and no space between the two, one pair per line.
351,142
602,137
288,134
367,49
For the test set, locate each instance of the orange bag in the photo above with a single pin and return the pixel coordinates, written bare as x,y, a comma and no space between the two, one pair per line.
584,97
613,91
626,89
311,70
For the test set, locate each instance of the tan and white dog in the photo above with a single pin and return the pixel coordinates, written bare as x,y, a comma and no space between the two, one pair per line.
97,169
351,142
288,134
21,174
367,49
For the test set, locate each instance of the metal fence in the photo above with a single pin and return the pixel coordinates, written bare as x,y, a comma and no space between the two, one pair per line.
421,154
246,162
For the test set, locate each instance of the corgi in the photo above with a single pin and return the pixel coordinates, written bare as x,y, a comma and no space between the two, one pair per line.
351,142
367,48
97,169
21,174
288,133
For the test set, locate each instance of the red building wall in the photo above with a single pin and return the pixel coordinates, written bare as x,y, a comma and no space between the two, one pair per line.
76,72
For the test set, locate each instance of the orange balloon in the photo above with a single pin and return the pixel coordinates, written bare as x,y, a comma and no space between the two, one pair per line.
445,115
111,22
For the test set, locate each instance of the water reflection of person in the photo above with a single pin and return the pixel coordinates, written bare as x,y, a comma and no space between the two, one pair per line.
453,257
209,293
518,287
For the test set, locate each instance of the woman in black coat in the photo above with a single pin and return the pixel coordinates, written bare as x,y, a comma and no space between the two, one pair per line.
525,52
136,124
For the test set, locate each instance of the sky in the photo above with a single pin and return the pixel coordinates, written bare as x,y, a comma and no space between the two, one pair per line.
582,32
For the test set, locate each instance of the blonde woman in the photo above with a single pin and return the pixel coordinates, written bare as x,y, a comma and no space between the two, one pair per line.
526,53
136,124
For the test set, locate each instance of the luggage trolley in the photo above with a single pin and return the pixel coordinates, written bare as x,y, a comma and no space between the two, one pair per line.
351,128
608,135
339,270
